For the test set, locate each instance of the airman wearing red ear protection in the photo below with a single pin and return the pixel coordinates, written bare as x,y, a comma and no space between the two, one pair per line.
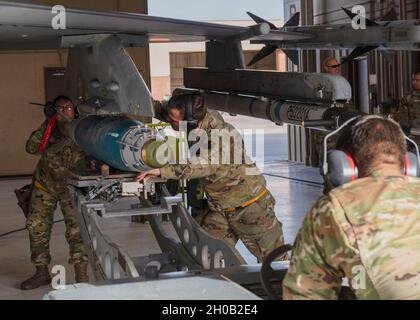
340,167
58,156
366,230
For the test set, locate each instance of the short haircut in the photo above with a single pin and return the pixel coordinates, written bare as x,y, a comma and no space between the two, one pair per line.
180,101
372,139
61,97
416,72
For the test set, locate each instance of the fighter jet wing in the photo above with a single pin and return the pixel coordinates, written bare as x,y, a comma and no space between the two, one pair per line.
29,26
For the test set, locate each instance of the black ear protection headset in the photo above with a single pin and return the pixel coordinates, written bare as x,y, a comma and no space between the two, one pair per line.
76,112
339,166
188,117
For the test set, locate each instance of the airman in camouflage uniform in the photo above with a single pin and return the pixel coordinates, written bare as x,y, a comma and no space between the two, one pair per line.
409,111
49,188
367,230
241,207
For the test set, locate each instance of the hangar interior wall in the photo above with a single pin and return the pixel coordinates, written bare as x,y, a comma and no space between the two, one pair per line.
22,81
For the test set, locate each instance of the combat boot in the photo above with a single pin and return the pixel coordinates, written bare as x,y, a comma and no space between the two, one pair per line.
40,278
80,272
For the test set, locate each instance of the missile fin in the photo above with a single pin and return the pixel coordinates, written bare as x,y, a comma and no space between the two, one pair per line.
264,52
293,21
357,52
293,55
258,20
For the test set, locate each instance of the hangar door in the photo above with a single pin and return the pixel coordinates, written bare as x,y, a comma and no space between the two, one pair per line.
54,82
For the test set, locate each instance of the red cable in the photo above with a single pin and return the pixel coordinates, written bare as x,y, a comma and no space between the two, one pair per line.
47,133
407,164
352,165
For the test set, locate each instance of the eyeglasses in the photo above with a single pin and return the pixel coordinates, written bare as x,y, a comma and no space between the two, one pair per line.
334,66
62,109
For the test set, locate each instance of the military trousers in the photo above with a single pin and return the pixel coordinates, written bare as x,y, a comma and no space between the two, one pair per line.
40,222
256,225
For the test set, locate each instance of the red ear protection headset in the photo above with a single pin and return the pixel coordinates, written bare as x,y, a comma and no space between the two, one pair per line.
339,166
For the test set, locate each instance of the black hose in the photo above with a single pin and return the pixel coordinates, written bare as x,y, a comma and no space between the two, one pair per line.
21,229
307,182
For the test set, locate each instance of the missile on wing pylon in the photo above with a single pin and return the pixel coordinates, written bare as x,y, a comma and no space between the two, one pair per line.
305,99
309,115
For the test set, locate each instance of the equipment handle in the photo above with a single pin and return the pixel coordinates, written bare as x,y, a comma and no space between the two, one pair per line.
47,133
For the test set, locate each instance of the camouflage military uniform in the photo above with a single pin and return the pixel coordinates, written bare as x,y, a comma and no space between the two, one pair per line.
229,186
352,233
409,114
50,188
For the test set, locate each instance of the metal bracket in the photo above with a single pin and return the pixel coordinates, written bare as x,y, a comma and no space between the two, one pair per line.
195,243
224,55
100,69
